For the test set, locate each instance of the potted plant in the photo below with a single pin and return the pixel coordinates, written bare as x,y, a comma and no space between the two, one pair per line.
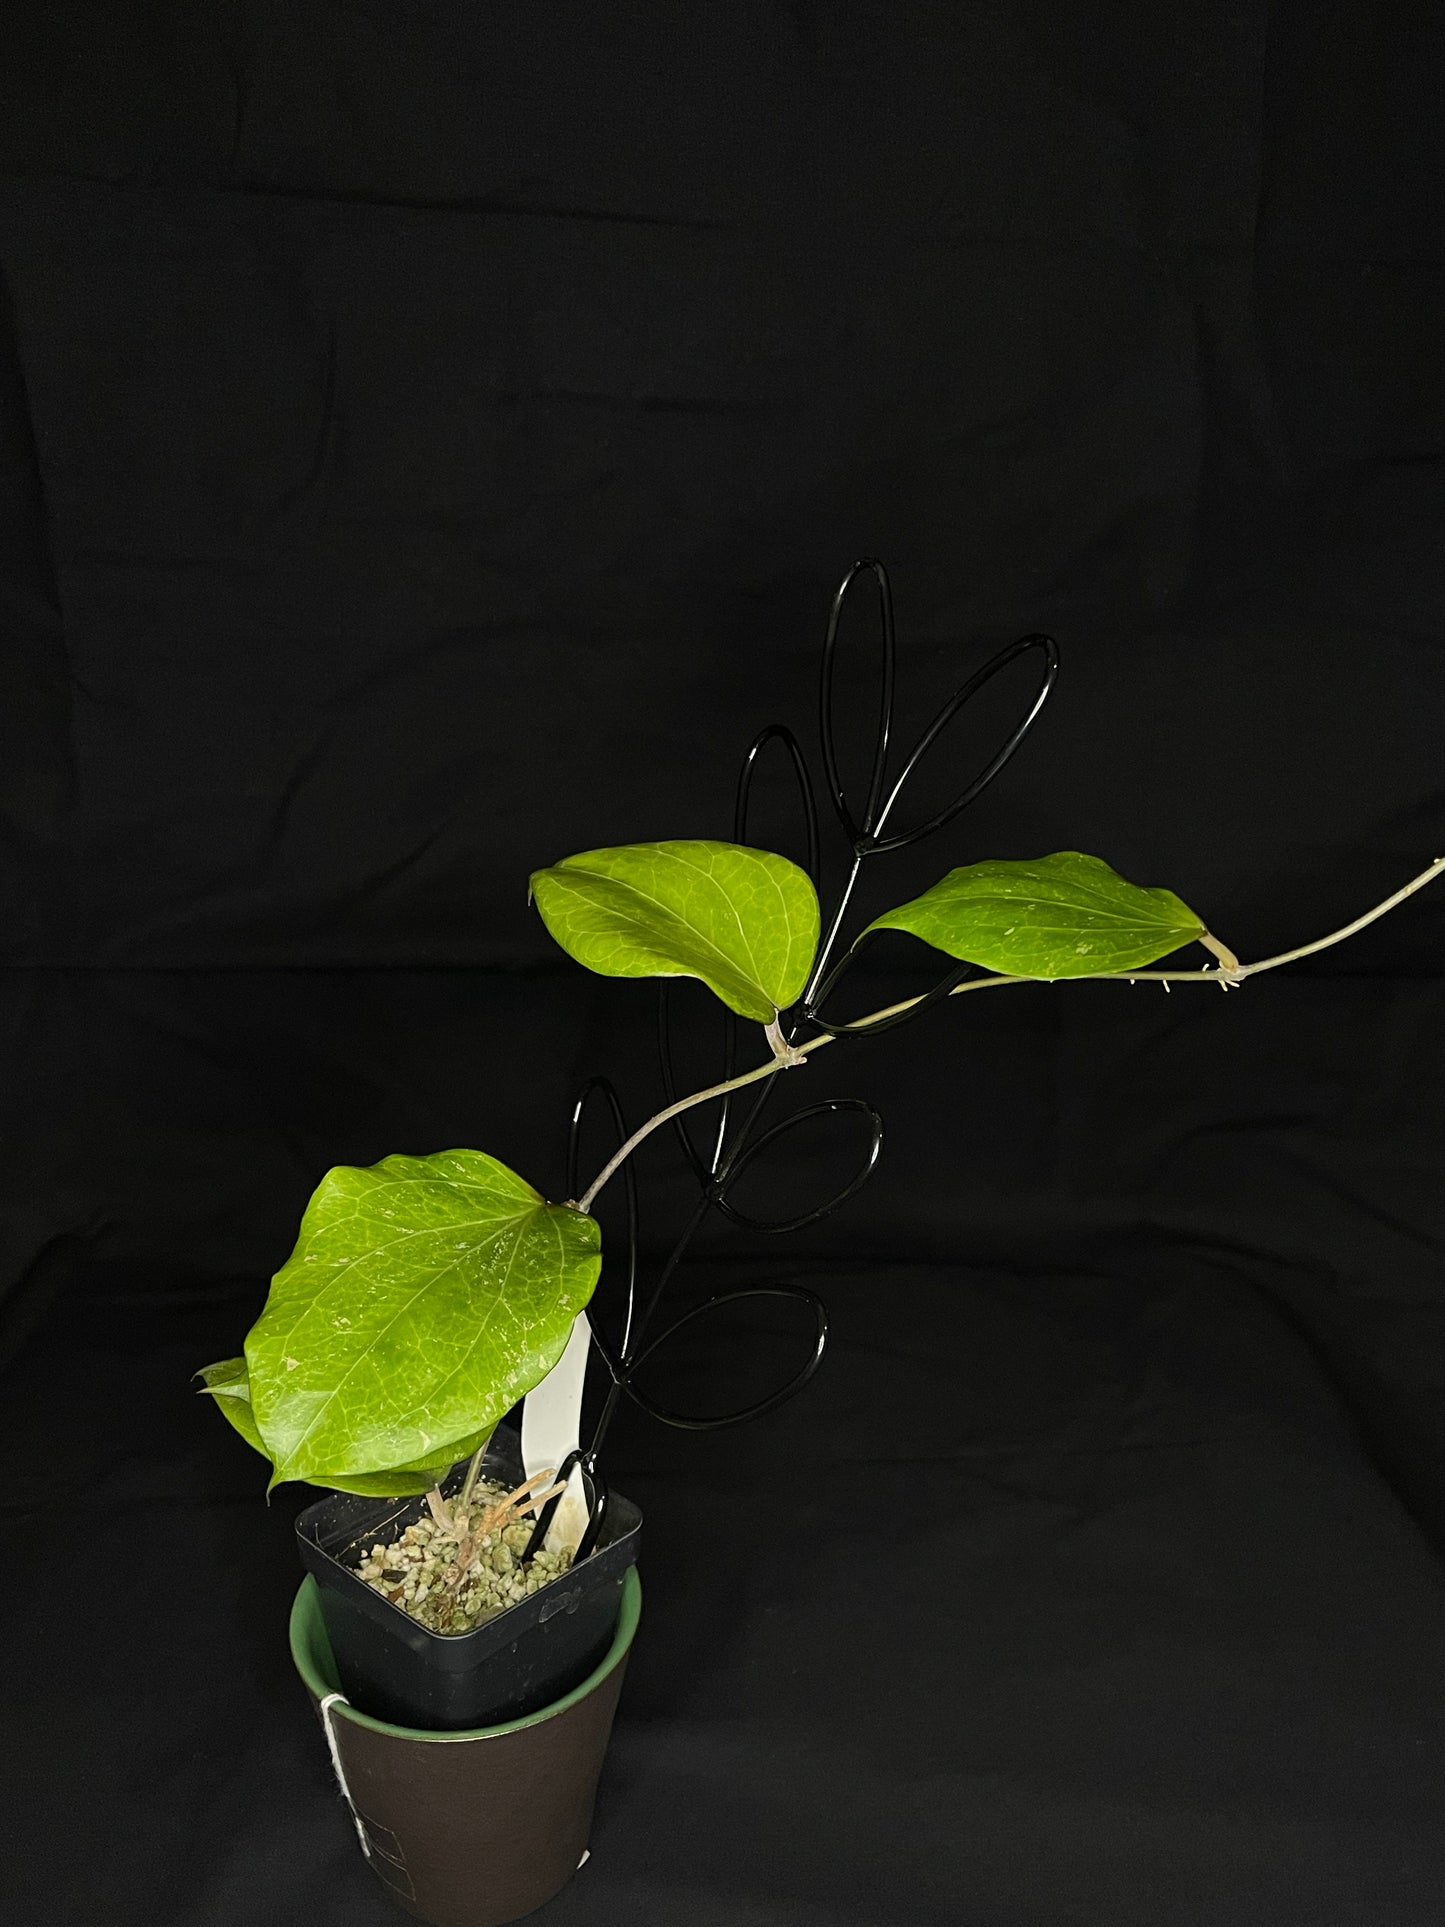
472,1591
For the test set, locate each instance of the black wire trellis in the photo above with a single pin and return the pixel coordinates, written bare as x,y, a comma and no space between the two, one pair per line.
717,1168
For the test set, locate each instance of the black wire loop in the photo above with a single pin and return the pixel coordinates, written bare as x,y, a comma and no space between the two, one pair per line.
770,1401
1026,645
623,1361
779,733
865,833
858,832
945,987
748,1155
738,1147
595,1497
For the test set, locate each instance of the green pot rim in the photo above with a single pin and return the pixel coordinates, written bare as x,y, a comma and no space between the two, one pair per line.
311,1653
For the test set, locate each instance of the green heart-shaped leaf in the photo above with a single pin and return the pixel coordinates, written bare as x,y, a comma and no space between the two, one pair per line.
1065,915
744,921
425,1296
230,1382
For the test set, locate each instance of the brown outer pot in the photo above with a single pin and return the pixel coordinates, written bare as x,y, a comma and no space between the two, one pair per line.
477,1828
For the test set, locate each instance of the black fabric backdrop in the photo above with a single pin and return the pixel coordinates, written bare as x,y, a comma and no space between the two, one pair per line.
430,439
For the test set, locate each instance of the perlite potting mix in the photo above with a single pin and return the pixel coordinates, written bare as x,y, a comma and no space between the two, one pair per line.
455,1572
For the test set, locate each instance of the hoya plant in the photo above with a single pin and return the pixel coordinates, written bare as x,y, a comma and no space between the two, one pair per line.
426,1295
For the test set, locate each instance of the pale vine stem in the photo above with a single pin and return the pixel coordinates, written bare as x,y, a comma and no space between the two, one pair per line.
1227,975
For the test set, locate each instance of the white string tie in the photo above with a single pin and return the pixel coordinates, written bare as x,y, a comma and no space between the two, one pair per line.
333,1699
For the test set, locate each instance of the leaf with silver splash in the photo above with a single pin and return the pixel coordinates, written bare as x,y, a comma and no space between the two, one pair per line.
425,1296
1065,915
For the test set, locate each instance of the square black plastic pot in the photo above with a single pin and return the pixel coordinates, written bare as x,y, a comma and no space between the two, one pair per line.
524,1659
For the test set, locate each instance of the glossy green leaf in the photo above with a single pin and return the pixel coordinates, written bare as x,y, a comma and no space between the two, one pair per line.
425,1296
744,921
1065,915
230,1382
